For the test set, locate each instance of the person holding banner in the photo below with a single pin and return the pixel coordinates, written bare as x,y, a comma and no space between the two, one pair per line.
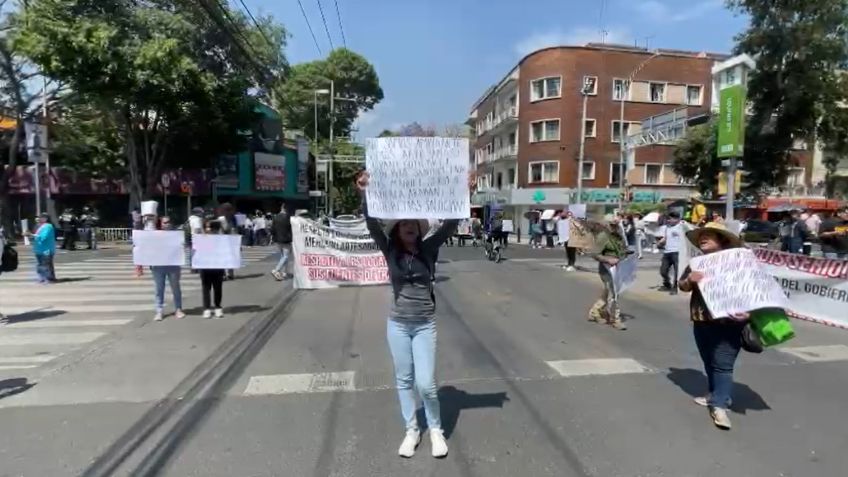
563,227
171,274
212,280
718,339
411,327
610,249
282,235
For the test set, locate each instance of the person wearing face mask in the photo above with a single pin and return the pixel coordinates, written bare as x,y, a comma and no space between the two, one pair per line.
171,274
718,338
411,326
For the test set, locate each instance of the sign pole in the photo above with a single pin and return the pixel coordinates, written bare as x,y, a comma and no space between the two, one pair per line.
731,137
731,189
37,189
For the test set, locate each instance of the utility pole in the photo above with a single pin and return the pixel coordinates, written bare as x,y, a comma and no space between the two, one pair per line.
585,91
332,152
50,207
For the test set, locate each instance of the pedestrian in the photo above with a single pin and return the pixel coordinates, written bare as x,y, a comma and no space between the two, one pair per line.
227,222
563,228
629,230
813,222
833,235
212,279
719,338
171,274
411,326
282,233
535,233
44,248
641,235
260,233
476,231
671,237
70,229
793,232
609,250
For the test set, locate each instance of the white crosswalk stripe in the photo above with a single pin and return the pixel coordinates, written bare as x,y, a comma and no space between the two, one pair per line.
93,297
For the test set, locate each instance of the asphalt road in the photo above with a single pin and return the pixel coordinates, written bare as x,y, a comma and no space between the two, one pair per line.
528,388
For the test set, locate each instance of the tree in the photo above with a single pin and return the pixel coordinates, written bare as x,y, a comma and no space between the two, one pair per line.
798,89
353,79
695,157
174,80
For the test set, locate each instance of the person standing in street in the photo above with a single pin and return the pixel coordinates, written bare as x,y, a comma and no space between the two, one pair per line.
641,236
227,221
171,274
563,227
833,234
212,280
671,237
282,234
718,339
610,249
44,248
793,233
411,326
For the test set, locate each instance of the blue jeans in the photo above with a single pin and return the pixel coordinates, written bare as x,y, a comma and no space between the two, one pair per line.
44,267
413,348
719,344
285,250
172,274
835,255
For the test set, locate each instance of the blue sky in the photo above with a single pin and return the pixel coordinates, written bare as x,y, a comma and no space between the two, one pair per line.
436,57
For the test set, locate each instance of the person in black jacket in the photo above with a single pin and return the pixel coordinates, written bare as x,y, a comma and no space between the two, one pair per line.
282,232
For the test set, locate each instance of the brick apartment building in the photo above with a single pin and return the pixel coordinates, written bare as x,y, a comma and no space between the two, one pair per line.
527,127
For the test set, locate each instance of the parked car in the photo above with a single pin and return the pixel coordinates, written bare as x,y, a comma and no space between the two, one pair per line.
760,231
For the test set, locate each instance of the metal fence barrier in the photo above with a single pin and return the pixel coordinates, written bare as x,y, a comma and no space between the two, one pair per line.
114,234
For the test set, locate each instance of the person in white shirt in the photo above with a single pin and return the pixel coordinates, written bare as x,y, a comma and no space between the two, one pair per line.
563,228
671,236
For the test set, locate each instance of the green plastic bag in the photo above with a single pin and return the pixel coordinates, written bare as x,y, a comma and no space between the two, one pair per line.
772,325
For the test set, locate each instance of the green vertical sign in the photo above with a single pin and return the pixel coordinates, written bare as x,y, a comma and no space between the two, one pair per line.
731,127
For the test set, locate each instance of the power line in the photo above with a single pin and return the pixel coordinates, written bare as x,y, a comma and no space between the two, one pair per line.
321,9
261,31
338,14
310,27
214,13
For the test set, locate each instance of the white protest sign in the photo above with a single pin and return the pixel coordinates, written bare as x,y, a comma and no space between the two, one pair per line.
624,274
735,282
508,226
158,248
418,178
464,228
687,251
579,210
329,258
817,288
149,207
216,252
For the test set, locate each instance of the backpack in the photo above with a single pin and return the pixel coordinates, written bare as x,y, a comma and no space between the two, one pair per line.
10,259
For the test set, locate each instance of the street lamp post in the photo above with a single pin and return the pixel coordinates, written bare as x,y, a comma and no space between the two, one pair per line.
585,92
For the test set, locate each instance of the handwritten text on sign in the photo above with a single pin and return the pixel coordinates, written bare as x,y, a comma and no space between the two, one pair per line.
734,281
418,178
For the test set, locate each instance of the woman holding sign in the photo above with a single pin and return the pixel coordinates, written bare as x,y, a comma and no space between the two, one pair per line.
719,339
212,280
411,327
171,274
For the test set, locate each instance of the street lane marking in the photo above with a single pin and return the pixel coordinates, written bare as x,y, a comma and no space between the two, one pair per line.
26,359
48,338
88,282
59,323
818,354
58,291
300,383
56,300
23,366
20,310
598,367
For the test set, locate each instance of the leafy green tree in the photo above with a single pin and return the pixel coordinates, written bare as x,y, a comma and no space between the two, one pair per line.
695,157
798,89
353,79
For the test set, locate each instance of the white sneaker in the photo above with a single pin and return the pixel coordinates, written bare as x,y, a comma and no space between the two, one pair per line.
704,401
410,442
158,316
569,269
438,445
207,313
219,313
720,418
179,314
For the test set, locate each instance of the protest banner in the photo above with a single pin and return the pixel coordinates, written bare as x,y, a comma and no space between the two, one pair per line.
624,274
817,288
735,282
418,178
688,250
464,228
580,236
508,226
158,248
216,252
327,258
578,210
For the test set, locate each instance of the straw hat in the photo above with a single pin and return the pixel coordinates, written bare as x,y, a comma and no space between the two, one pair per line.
717,228
423,226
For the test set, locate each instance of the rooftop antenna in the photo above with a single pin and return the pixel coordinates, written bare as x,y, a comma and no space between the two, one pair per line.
604,34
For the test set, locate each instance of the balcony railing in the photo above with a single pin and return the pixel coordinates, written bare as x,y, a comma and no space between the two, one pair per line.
506,152
510,115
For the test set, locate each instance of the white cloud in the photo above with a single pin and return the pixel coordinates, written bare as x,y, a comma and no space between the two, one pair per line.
659,11
578,36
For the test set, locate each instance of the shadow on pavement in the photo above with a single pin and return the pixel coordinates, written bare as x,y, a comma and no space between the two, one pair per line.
245,277
70,280
32,316
694,383
12,386
453,401
230,309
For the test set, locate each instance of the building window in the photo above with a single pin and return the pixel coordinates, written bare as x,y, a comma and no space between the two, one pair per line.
795,177
510,175
588,170
591,128
615,173
544,172
499,180
693,95
545,88
620,89
657,92
545,130
590,85
616,129
653,173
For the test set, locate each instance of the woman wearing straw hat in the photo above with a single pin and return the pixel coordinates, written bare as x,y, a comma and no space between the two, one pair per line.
718,339
411,328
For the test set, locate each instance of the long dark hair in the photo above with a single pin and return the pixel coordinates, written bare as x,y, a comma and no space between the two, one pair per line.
394,236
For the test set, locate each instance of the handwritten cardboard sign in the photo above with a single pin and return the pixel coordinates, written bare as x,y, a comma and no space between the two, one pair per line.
734,281
418,178
216,252
158,248
580,236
